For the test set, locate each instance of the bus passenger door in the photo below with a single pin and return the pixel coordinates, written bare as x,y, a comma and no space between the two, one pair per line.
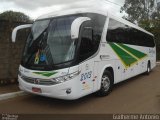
96,72
86,51
119,69
86,77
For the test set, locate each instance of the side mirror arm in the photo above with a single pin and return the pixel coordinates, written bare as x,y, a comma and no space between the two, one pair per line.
76,26
14,33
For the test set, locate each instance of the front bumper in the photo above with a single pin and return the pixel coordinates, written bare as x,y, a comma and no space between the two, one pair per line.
54,91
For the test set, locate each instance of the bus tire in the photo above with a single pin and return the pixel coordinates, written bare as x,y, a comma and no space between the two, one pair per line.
106,84
148,68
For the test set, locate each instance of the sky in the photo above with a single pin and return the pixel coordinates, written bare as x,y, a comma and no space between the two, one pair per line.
36,8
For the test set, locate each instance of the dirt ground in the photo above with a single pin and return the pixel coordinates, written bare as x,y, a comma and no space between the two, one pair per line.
140,94
9,88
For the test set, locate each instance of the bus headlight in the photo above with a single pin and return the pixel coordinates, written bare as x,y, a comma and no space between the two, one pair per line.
65,78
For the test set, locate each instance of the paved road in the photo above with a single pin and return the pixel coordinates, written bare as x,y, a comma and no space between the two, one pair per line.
137,95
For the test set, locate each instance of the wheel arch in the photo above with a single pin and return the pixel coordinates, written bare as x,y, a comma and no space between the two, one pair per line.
110,69
149,62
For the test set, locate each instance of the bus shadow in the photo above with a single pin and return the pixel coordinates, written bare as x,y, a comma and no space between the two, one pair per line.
129,81
58,103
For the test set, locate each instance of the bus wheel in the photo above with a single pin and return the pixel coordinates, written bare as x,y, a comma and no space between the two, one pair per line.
148,68
106,84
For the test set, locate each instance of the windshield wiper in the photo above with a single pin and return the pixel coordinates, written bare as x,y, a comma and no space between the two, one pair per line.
41,44
35,45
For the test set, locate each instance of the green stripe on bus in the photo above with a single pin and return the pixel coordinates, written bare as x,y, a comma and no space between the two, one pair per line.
125,57
135,52
46,74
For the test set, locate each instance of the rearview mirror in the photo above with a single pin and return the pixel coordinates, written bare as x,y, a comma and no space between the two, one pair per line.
76,26
90,30
14,33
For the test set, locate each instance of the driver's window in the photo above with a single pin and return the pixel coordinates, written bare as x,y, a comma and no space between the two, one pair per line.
86,46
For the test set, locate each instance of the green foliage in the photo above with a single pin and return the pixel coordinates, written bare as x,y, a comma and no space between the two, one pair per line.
147,17
14,16
138,9
156,31
153,26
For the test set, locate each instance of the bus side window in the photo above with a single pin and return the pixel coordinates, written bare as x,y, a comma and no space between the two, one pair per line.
120,33
86,46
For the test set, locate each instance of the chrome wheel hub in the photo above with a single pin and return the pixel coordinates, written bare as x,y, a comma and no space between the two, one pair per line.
105,83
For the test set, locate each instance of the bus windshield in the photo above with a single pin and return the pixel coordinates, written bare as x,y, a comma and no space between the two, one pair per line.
49,43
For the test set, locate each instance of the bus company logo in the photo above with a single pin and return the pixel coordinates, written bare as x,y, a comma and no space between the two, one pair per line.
36,81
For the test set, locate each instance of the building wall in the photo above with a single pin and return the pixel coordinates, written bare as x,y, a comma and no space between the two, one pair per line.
10,53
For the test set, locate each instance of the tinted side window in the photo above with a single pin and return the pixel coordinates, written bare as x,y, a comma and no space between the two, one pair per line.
86,46
97,22
116,32
86,41
121,33
91,32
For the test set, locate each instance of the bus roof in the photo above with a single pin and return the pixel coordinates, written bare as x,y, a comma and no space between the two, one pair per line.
72,11
104,12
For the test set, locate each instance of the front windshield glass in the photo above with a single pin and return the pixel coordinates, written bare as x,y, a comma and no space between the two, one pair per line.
59,40
49,43
39,27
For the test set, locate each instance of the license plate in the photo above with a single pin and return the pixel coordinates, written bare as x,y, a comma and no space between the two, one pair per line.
36,90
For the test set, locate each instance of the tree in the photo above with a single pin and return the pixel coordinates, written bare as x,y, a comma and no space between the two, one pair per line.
11,60
146,15
138,10
14,16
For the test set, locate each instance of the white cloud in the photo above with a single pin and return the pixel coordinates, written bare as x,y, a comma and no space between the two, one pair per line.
34,4
36,8
44,10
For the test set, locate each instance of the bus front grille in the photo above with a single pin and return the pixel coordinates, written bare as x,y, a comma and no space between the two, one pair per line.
37,81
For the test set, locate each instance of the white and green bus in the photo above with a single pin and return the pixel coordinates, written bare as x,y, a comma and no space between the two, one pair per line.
70,54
